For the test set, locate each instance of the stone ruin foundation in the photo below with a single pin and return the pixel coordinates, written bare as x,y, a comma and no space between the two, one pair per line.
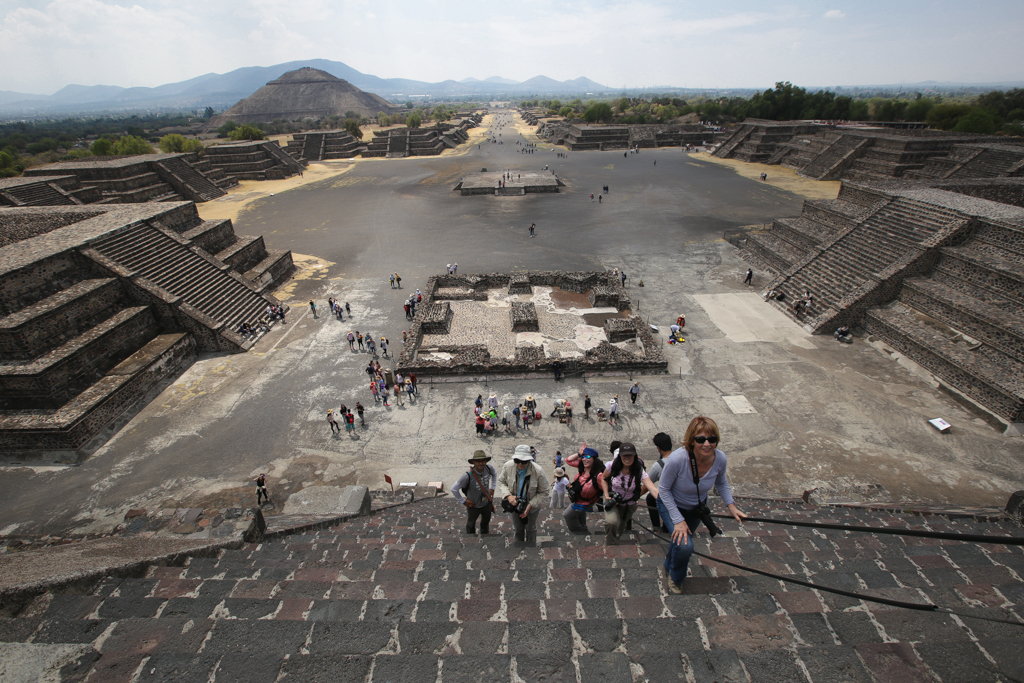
512,325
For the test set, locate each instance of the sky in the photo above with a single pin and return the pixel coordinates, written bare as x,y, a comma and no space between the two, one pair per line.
48,44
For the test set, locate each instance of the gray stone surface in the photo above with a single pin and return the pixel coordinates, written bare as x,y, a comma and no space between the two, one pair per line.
328,500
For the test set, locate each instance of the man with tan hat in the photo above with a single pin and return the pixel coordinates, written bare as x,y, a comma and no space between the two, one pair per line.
475,490
522,485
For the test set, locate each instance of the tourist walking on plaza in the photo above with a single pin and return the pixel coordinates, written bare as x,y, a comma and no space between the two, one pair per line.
568,412
623,483
398,394
558,489
348,310
492,401
351,341
613,411
350,423
398,280
533,227
584,490
374,390
371,345
523,481
360,410
384,346
586,406
312,307
392,277
359,340
475,490
261,488
690,472
750,276
634,391
330,421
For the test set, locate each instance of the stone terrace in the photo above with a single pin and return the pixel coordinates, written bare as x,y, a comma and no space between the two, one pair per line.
404,594
140,178
99,304
936,275
522,183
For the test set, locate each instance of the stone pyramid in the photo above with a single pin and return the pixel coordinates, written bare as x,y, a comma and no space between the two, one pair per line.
300,94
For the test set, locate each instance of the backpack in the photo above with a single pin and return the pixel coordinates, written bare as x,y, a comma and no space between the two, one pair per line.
575,489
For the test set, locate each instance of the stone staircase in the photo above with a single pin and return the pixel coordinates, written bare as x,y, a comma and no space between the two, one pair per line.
207,285
36,194
830,163
405,595
187,181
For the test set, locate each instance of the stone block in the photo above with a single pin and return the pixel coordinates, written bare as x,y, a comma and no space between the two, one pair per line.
329,500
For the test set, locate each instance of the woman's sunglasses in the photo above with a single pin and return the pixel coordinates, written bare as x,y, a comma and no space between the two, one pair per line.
702,439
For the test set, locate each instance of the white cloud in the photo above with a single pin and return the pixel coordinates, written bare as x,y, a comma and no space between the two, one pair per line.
835,14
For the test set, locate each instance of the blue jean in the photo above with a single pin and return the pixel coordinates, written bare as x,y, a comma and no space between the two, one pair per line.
678,557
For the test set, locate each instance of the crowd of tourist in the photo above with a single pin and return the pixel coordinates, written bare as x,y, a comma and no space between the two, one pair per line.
674,489
492,419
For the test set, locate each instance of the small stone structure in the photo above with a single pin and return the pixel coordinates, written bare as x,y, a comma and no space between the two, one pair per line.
937,273
323,145
254,160
629,348
436,318
127,180
521,183
601,296
580,137
101,303
524,317
417,142
519,283
620,329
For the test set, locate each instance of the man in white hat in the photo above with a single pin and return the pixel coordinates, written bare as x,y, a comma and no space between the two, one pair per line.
492,401
522,480
475,490
613,411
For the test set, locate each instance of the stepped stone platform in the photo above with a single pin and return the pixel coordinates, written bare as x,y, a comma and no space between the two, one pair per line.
405,594
396,143
253,160
323,145
101,304
504,325
136,179
55,190
579,137
521,183
934,273
866,152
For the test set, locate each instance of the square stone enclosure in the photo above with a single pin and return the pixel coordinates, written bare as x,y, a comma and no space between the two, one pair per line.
514,324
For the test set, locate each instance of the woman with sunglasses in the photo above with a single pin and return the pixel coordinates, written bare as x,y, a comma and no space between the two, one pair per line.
679,497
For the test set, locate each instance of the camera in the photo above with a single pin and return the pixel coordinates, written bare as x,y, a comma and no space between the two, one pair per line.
614,498
705,516
519,508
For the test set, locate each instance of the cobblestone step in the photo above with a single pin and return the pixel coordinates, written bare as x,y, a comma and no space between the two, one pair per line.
404,595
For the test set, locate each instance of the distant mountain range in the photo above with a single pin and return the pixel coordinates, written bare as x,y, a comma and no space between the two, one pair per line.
221,91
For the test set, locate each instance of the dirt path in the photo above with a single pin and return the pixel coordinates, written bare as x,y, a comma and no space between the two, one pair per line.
779,176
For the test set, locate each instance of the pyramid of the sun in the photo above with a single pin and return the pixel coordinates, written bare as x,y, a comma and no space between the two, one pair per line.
301,94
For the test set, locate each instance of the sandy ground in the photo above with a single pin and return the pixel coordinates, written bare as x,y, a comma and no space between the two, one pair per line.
779,176
237,198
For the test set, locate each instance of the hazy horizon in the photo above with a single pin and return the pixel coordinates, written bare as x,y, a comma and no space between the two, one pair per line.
647,44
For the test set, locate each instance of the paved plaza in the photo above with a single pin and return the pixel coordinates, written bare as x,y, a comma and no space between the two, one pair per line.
799,413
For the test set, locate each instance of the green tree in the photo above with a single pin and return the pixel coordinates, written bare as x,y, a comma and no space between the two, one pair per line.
102,147
383,119
352,126
599,111
43,145
414,120
246,132
7,167
976,121
565,111
208,114
174,143
622,105
408,104
226,129
131,145
946,116
918,109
